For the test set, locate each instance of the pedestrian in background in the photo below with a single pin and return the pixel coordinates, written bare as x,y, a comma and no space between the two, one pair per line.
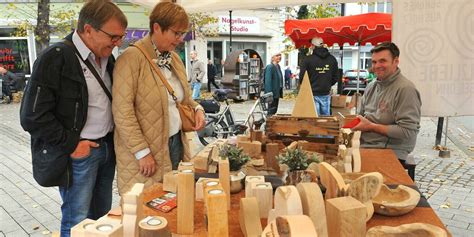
9,80
67,111
288,76
323,74
196,74
211,75
273,82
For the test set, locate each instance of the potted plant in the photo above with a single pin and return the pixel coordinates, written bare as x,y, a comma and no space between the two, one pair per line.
297,161
237,159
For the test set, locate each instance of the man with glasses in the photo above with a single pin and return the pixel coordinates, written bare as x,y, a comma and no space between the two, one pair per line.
67,111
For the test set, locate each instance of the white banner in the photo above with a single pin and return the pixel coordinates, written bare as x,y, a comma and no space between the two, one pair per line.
240,25
436,40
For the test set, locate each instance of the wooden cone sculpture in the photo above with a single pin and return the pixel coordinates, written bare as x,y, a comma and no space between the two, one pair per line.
304,106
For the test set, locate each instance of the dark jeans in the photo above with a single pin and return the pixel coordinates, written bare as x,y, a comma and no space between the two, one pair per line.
176,148
90,195
213,81
6,90
273,107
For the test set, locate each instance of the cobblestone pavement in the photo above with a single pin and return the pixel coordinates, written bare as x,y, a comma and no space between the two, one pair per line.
26,209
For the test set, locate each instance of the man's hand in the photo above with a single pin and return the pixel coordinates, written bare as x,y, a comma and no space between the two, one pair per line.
83,149
147,165
367,126
200,121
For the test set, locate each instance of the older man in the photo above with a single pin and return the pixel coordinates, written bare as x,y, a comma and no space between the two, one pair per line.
273,82
196,74
390,109
67,111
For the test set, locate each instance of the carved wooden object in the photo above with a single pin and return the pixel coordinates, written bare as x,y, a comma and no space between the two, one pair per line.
154,226
345,217
248,186
395,202
264,194
185,203
249,217
407,230
313,206
132,210
217,217
224,178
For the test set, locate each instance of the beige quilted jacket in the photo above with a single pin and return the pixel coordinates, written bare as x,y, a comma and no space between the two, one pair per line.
140,109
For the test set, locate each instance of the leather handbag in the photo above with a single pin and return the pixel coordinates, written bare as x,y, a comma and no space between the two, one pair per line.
186,112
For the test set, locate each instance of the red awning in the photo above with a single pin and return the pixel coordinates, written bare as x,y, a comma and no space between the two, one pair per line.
365,28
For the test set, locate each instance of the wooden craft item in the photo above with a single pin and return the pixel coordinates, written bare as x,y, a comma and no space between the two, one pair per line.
264,194
356,160
331,179
395,202
304,105
256,135
79,230
243,138
132,209
210,184
185,203
312,202
200,187
186,166
249,217
201,159
364,189
217,215
224,178
170,181
287,201
272,151
104,229
154,226
252,179
282,124
295,226
345,217
214,160
253,149
407,230
314,167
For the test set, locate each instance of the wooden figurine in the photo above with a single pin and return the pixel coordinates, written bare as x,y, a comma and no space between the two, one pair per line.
185,223
332,180
264,194
304,105
249,217
154,226
407,230
345,217
351,140
313,206
252,179
170,181
132,210
287,201
217,217
79,230
395,202
224,178
272,151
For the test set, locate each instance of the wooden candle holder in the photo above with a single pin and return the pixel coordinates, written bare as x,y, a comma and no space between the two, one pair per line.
170,181
224,178
264,194
200,187
252,179
132,210
185,223
186,166
217,217
79,230
154,226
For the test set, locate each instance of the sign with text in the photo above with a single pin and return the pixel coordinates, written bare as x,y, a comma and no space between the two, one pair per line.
14,55
435,38
240,25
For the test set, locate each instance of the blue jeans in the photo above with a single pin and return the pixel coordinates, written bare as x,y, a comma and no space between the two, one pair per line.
196,86
90,195
323,103
175,146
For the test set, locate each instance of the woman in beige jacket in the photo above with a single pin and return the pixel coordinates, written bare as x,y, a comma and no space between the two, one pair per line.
148,137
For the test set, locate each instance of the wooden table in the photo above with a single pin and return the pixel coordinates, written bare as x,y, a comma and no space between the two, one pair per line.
380,160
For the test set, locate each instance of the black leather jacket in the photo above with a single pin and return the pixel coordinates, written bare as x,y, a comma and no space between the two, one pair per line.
54,106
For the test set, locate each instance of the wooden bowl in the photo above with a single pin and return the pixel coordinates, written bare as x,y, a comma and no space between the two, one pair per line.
395,202
407,230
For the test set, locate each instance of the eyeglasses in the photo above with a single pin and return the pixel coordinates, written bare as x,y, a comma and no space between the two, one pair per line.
113,38
178,34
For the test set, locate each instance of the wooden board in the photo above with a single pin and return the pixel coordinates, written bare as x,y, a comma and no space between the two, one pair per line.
304,105
313,206
345,217
319,126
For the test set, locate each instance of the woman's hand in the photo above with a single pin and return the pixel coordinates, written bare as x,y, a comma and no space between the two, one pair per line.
147,165
200,121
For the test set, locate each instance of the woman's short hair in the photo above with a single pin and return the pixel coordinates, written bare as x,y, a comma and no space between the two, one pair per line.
168,14
97,12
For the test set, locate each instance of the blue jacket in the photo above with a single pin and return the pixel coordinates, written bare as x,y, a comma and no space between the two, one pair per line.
273,79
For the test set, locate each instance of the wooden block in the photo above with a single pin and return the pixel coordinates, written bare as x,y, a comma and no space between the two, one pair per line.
200,187
224,178
170,181
313,206
256,135
248,186
185,218
249,217
104,229
295,226
272,151
79,230
288,201
253,149
154,226
345,217
331,179
132,209
264,194
304,105
186,166
217,217
243,138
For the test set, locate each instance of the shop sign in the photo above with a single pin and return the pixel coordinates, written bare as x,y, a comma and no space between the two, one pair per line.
240,25
14,55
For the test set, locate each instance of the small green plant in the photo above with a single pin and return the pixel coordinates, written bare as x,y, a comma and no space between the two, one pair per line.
297,159
237,157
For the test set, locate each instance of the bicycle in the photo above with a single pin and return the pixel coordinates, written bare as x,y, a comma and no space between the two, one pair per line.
223,124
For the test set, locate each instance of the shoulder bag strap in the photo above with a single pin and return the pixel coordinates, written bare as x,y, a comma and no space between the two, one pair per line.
91,68
157,70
